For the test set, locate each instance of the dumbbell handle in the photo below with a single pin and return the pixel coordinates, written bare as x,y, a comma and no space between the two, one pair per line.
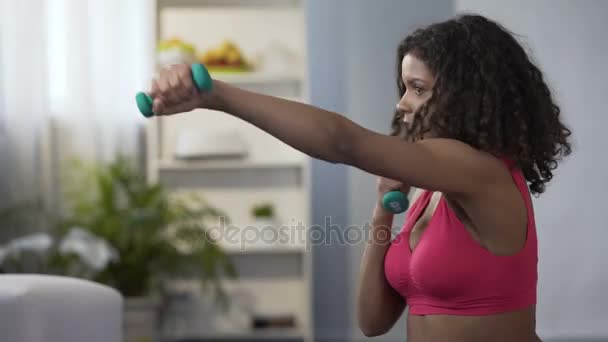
200,76
395,201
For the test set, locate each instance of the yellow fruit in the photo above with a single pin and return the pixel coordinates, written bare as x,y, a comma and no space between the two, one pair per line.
227,45
233,57
225,54
215,55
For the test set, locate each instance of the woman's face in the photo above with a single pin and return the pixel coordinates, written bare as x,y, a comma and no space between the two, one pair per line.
419,81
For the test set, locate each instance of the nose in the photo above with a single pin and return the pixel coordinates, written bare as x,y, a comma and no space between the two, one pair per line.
403,106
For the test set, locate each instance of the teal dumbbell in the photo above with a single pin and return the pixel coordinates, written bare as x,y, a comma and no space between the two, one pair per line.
200,76
395,202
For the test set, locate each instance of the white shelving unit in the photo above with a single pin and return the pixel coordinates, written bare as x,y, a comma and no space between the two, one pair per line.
260,78
277,276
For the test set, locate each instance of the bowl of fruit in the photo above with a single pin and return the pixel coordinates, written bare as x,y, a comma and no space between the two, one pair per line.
227,57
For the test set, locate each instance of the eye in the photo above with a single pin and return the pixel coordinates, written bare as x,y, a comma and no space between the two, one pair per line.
418,90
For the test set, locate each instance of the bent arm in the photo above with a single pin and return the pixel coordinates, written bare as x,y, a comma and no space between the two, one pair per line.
379,306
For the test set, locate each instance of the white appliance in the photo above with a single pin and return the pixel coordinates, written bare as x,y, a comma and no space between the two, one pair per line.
204,144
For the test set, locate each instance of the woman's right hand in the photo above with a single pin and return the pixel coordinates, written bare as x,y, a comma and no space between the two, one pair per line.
173,91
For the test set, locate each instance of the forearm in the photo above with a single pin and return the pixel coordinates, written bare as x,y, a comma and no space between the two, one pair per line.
319,133
379,306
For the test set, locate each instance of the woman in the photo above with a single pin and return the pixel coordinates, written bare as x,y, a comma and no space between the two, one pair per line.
476,131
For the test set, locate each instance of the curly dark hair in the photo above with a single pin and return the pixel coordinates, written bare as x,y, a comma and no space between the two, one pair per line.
488,94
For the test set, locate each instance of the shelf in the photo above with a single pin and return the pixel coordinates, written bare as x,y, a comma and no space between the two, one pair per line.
248,78
253,176
251,78
254,238
286,334
202,165
229,3
260,250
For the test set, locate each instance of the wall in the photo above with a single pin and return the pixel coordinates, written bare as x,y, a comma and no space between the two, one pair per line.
4,191
568,40
329,191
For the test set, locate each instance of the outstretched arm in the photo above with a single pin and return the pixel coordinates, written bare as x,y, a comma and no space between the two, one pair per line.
314,131
435,164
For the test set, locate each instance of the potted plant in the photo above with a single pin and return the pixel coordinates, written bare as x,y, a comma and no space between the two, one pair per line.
265,222
157,235
264,214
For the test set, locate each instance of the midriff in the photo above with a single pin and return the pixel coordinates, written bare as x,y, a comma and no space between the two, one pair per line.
516,326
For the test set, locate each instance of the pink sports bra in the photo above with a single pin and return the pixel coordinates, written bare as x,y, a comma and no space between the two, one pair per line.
448,272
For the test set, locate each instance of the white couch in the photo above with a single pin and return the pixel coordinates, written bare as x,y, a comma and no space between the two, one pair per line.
42,308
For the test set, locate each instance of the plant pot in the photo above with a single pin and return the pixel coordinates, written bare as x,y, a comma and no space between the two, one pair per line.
141,316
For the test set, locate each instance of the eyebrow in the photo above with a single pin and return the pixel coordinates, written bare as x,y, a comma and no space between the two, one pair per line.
415,79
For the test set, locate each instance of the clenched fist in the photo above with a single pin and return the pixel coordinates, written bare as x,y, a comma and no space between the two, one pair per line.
173,91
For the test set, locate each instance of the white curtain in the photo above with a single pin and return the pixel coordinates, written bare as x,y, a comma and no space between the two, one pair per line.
79,62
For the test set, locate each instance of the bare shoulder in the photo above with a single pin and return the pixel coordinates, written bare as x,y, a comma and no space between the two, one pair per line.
483,171
462,151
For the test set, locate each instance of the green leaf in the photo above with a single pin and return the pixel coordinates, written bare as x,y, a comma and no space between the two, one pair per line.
156,233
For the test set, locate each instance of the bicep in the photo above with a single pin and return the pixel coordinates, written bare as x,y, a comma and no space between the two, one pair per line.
444,165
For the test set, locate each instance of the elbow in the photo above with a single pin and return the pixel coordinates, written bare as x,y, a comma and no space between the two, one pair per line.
378,320
343,139
344,151
372,325
371,330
